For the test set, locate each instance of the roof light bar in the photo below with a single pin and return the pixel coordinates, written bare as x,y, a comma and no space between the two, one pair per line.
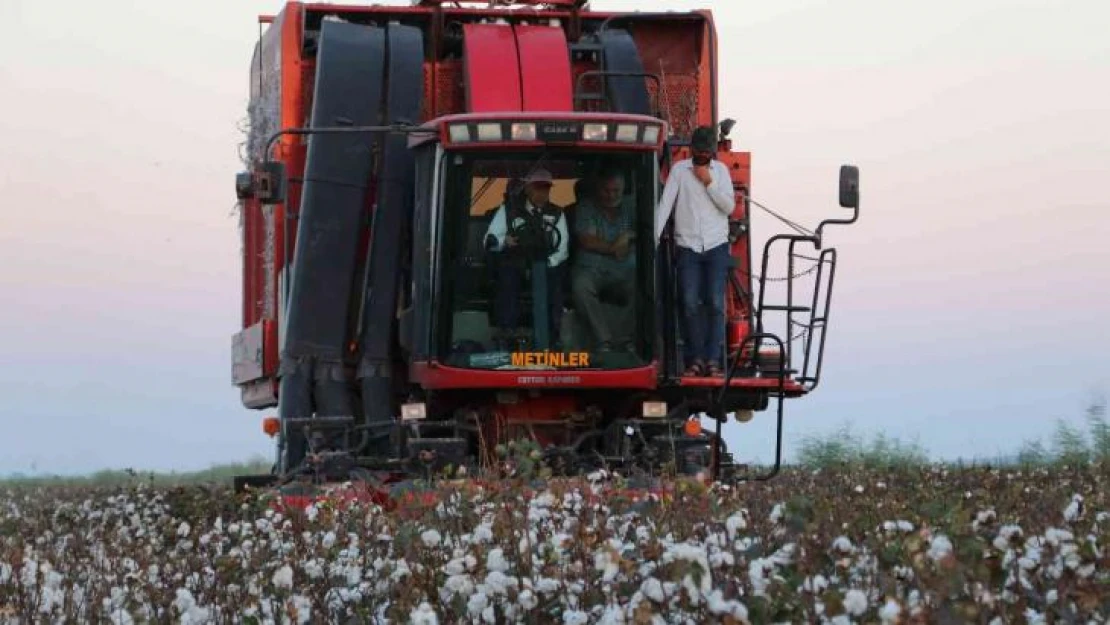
558,131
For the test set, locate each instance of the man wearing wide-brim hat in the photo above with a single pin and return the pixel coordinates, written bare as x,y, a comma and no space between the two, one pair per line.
699,194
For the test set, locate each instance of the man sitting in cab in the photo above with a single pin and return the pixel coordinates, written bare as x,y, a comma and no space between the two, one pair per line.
605,261
523,231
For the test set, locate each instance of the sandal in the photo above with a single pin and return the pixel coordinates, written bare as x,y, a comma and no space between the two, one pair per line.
695,370
714,371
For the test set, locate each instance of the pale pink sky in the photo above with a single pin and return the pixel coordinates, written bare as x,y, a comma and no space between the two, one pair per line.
971,296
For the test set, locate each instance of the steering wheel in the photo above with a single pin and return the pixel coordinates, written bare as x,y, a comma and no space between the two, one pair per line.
550,231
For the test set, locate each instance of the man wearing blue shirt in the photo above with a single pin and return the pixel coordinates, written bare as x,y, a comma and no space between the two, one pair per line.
699,194
605,259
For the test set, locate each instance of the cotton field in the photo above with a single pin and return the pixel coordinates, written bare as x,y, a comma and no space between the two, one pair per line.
909,546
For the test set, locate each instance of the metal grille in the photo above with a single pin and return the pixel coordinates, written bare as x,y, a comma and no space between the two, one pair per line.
679,103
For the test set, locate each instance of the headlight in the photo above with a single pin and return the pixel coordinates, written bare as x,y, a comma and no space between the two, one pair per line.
626,133
489,132
459,133
414,412
524,132
595,132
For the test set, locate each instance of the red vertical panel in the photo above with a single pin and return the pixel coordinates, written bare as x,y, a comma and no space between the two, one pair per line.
544,69
492,69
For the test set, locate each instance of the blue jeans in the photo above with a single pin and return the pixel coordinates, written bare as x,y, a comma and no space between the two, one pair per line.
507,300
701,283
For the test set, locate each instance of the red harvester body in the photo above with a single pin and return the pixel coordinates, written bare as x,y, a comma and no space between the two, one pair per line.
384,323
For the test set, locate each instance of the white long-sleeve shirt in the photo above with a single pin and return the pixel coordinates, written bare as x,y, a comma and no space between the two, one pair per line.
700,212
498,228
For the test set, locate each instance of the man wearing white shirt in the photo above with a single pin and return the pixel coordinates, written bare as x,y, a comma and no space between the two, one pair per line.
534,221
699,194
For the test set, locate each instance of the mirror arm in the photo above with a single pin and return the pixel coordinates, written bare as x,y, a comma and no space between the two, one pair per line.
827,222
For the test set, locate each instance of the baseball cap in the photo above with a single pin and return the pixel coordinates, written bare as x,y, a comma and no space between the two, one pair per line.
539,175
703,139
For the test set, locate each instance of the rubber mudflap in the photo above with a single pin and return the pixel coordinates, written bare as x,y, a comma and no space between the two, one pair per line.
628,94
404,97
348,91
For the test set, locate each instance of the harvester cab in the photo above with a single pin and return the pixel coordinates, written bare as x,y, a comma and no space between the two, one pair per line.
449,226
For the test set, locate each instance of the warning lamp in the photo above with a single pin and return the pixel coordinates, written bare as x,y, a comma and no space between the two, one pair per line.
271,426
692,427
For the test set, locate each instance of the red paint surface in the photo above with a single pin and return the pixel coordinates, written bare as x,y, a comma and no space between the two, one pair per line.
544,69
492,72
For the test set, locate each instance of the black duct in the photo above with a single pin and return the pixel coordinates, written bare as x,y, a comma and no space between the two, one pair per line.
627,94
404,97
348,91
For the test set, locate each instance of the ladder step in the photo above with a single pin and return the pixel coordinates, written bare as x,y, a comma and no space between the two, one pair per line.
788,308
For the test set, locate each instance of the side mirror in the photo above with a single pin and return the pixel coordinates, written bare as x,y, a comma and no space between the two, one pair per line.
726,127
270,182
849,186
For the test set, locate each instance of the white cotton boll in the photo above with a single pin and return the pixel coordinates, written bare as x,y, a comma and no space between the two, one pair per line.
843,544
855,602
495,561
483,533
816,584
607,564
283,577
431,538
898,526
719,606
890,611
1006,534
183,529
612,615
1056,536
735,523
498,583
548,586
477,603
455,567
423,615
314,568
1074,509
575,617
777,513
527,600
940,547
984,517
302,605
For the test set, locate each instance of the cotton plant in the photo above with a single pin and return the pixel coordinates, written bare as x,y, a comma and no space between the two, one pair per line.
827,547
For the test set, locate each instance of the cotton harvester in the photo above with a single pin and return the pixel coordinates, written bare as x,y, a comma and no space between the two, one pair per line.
384,140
